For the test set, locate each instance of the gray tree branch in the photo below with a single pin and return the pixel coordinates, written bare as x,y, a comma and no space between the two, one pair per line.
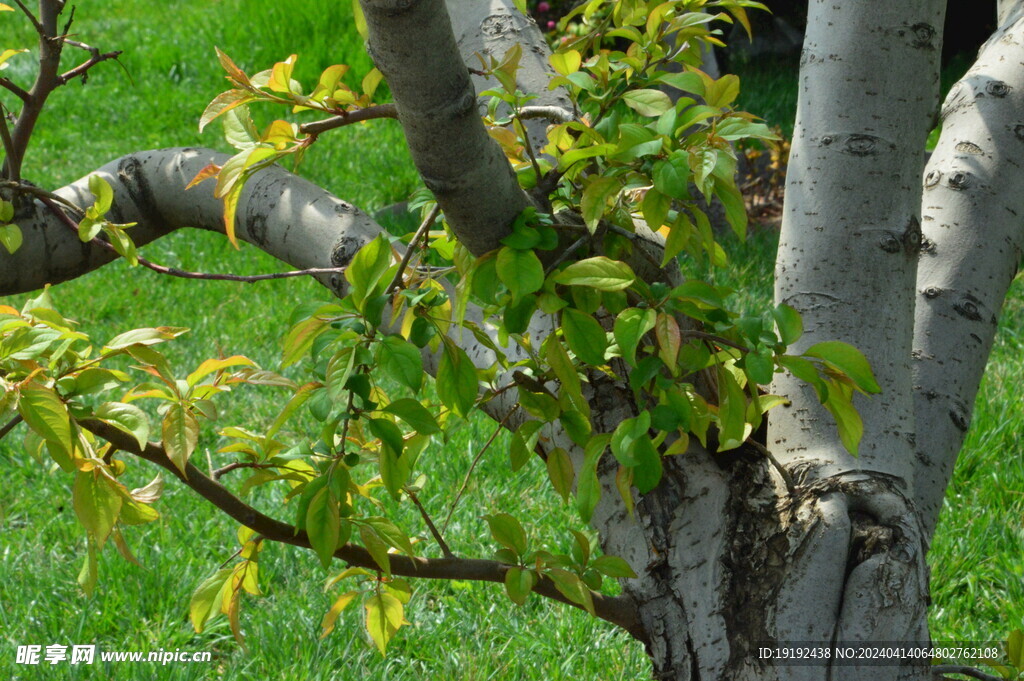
973,228
437,108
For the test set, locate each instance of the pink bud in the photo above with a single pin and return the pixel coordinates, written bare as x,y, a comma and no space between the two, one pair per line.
551,25
543,7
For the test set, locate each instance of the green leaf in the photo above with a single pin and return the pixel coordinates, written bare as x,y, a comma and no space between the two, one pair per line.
647,102
368,268
456,380
521,271
507,531
415,414
840,405
560,472
519,583
323,524
723,92
630,327
384,616
732,412
359,19
789,323
672,176
655,207
1015,648
11,237
600,272
735,208
327,624
144,337
180,434
523,442
594,202
614,567
100,188
570,586
626,435
565,371
848,360
402,361
585,336
127,418
666,330
299,339
648,470
96,504
567,62
46,414
588,487
6,211
205,602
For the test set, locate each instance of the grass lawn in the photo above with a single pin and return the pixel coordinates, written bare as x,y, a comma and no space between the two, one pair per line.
459,630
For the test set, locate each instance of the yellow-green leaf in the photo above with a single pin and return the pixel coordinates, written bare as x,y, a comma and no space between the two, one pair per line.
46,414
180,434
384,615
96,504
332,615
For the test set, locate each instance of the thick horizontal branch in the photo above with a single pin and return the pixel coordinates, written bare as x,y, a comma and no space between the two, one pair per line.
618,611
280,213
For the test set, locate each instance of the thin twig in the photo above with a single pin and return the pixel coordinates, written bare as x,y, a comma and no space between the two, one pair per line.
184,274
472,467
10,426
26,188
783,473
348,118
566,254
703,335
619,610
82,69
216,474
420,233
430,524
940,669
31,17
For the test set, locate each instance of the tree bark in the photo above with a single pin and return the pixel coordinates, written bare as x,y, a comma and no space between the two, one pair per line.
973,227
437,107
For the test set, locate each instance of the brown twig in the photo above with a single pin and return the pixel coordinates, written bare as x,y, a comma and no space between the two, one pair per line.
82,69
472,467
783,473
31,17
566,254
185,274
348,118
216,474
10,426
715,339
618,610
11,87
420,233
430,524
